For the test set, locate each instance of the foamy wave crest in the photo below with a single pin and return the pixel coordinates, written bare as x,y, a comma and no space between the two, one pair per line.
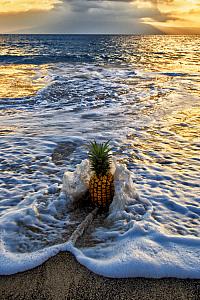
131,247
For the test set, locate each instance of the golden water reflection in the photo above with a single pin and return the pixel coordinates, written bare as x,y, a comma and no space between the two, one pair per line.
175,141
18,81
187,124
174,54
5,130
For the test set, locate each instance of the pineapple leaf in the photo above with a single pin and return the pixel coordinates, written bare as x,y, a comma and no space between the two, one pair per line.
100,157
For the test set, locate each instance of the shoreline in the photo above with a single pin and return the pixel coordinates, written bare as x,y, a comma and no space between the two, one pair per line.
62,277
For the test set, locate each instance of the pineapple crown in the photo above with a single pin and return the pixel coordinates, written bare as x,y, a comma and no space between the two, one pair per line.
100,157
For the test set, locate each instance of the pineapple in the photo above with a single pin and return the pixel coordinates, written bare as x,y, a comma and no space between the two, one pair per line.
101,185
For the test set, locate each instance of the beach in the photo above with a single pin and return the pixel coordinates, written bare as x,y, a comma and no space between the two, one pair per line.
61,277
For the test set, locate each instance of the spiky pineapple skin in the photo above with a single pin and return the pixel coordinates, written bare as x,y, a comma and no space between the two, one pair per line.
101,189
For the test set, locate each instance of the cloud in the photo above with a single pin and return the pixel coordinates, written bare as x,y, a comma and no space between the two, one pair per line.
130,9
182,15
23,21
97,16
20,6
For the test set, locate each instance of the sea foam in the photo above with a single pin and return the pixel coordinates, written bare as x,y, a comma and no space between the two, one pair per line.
139,251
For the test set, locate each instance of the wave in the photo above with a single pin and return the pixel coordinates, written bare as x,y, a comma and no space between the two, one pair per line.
140,251
152,256
44,59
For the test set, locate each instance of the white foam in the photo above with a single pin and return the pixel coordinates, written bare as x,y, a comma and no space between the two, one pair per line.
139,250
142,254
136,254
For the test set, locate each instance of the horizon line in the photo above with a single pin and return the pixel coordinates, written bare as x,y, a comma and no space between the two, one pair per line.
136,34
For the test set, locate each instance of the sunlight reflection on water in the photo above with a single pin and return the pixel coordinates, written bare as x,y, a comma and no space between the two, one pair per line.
19,81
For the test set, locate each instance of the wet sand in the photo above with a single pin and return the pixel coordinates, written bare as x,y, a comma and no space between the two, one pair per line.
62,277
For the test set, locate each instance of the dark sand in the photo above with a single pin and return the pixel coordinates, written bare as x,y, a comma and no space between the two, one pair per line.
61,277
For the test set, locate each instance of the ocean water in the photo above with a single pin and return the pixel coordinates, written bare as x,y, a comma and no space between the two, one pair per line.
57,92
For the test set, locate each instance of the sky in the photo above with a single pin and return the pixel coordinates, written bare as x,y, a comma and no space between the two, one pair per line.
100,16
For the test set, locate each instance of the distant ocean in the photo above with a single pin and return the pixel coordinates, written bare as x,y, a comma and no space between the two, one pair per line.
57,92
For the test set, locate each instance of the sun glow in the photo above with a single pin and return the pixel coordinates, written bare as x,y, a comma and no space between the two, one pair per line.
17,6
177,14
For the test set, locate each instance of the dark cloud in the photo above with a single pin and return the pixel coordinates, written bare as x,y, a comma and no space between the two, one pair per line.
112,16
126,1
119,8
